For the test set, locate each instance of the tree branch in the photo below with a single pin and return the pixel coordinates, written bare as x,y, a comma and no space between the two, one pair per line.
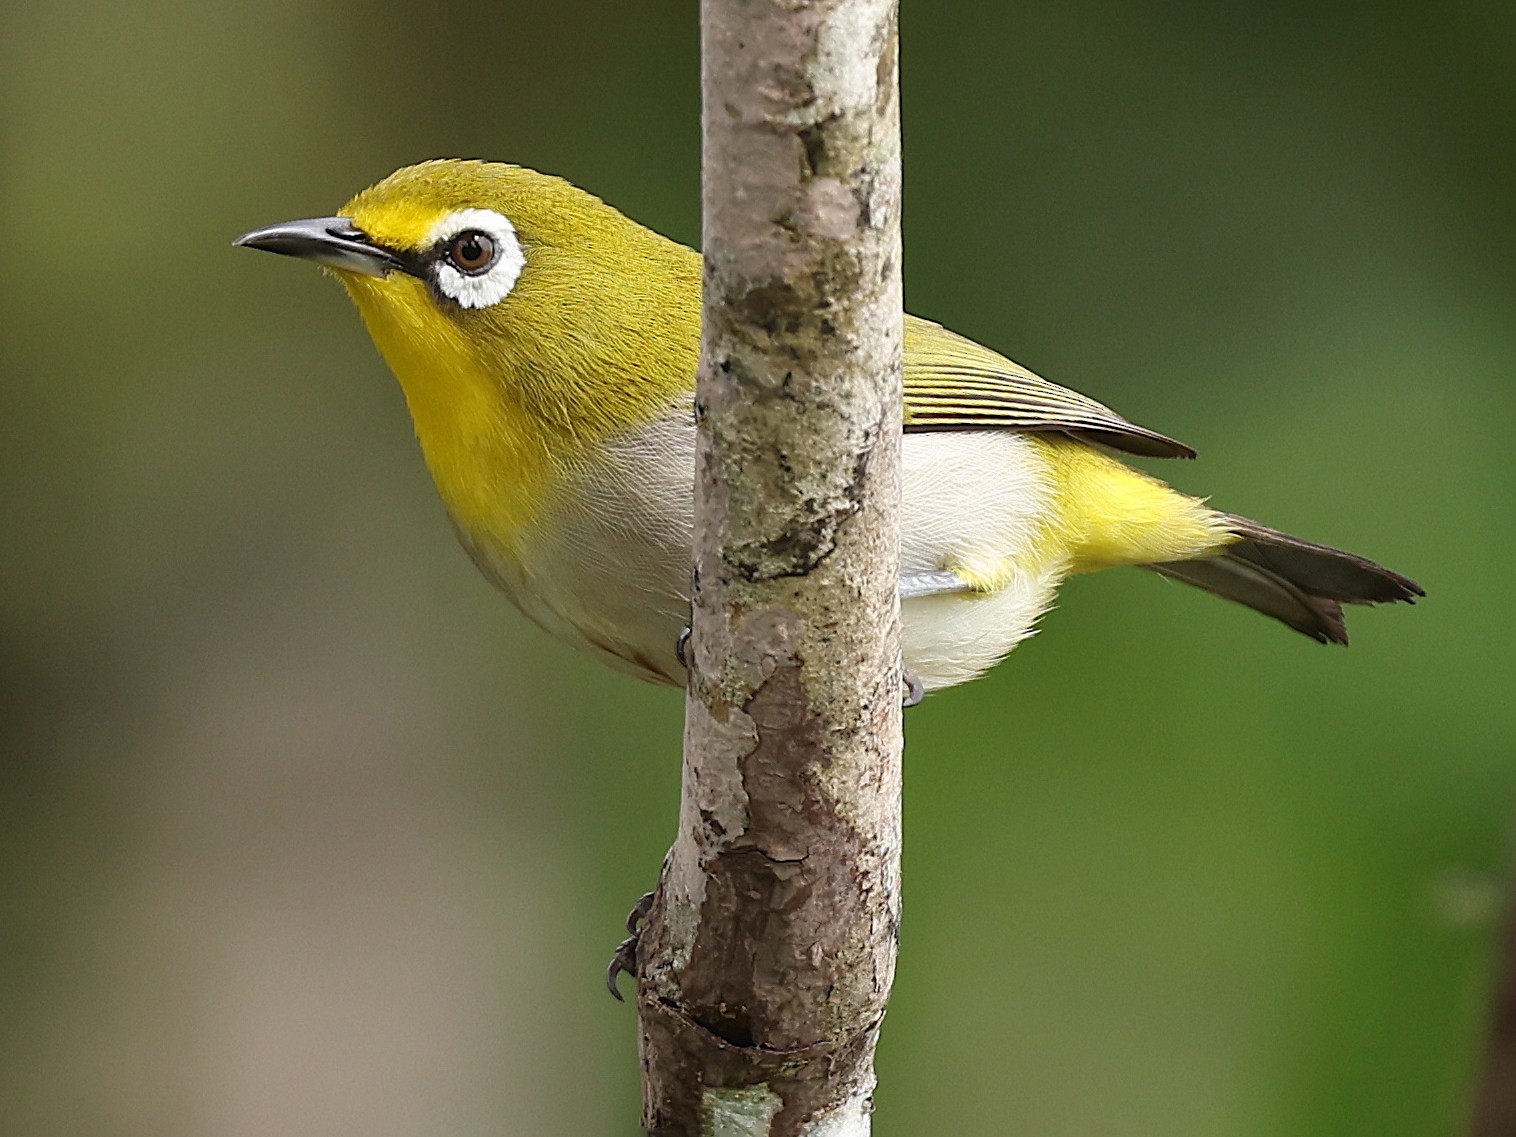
767,958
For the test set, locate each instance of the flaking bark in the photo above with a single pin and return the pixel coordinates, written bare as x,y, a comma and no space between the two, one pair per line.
767,958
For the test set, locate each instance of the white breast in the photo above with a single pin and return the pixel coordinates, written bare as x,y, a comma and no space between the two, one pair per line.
608,567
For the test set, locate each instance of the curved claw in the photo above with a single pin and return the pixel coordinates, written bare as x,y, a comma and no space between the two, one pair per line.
682,647
639,912
624,961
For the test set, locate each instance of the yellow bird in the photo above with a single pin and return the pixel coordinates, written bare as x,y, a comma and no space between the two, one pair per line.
547,347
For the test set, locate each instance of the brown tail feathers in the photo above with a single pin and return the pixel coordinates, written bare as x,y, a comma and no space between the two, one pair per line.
1300,583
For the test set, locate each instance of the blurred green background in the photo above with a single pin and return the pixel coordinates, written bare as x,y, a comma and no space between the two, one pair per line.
303,831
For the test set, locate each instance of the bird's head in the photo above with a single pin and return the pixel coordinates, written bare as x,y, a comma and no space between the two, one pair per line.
525,319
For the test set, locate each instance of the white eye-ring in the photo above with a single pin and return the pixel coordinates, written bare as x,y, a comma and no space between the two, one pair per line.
479,257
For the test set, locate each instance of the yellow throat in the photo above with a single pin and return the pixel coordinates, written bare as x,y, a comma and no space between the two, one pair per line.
503,407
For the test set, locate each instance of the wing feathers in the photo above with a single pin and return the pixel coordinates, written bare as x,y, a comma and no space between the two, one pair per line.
953,383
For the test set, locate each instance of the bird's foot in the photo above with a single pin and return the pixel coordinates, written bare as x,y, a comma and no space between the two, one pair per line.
914,691
682,647
624,961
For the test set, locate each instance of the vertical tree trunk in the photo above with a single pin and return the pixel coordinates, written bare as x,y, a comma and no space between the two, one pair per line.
767,958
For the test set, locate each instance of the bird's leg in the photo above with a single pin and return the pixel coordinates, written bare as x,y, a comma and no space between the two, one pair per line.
625,958
913,585
914,691
940,582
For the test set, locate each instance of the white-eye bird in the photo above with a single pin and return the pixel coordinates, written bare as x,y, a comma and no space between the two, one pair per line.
547,347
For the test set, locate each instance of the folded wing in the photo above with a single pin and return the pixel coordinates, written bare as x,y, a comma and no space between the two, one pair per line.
953,383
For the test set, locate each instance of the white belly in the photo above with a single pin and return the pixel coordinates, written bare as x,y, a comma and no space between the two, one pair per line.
608,569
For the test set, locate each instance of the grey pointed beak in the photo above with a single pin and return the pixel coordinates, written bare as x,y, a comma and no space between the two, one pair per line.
332,241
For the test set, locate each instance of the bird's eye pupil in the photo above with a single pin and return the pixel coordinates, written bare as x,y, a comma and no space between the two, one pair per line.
472,252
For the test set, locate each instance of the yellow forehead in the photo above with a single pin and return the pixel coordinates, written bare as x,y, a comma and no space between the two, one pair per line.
401,225
403,210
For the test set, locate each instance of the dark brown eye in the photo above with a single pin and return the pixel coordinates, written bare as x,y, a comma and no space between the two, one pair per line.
472,252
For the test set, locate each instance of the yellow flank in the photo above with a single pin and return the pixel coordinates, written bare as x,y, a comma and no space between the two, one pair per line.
989,573
1108,514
